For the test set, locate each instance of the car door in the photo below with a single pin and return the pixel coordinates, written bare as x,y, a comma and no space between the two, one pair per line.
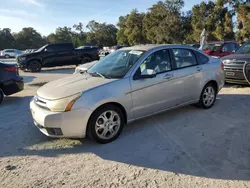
187,74
151,95
49,56
66,54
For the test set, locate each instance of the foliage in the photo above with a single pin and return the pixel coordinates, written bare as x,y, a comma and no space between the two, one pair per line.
134,28
162,23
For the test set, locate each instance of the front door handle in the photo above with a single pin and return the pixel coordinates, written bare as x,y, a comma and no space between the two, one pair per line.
199,68
168,76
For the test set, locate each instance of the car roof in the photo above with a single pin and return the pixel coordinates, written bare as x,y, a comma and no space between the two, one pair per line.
148,47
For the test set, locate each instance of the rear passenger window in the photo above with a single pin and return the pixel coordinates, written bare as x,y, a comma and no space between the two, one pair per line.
184,58
202,59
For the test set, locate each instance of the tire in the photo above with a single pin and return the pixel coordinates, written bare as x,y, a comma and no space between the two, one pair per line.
7,56
86,60
1,96
34,66
208,96
100,124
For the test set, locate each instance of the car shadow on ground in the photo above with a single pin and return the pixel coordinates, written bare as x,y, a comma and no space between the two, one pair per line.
28,79
210,143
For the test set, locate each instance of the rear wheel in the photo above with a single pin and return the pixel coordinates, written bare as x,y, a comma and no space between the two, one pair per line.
1,96
7,56
34,66
86,60
208,96
106,124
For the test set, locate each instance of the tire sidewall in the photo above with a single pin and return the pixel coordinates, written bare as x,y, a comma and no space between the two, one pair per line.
1,96
91,125
201,102
85,60
36,62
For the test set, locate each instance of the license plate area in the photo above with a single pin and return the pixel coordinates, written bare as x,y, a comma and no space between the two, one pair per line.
230,73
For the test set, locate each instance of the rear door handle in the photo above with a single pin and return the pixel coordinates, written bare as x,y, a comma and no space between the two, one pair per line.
199,68
168,76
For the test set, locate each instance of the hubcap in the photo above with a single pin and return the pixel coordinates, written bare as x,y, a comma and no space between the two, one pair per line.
107,124
209,96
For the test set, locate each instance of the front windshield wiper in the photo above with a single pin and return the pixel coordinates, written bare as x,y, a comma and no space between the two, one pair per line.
98,74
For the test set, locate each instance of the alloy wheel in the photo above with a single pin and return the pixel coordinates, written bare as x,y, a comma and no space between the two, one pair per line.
107,124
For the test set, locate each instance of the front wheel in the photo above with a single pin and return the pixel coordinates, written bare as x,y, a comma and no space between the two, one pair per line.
208,96
106,124
1,96
34,66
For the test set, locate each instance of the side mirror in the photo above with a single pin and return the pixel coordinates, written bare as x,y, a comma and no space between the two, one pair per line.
147,73
147,76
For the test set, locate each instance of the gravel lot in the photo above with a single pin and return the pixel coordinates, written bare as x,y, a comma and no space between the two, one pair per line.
187,147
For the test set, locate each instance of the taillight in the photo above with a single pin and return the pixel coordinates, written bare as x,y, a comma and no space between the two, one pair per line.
10,69
222,65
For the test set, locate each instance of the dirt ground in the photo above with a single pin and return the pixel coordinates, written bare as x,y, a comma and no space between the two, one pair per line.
187,147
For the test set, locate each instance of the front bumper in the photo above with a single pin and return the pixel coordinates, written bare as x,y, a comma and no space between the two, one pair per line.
235,76
21,64
12,86
72,124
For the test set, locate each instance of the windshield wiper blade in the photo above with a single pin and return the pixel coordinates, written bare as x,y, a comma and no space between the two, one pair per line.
97,73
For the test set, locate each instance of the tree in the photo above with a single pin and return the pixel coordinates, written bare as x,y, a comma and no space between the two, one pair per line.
29,38
134,31
162,23
203,17
63,34
101,34
244,16
120,36
186,27
6,39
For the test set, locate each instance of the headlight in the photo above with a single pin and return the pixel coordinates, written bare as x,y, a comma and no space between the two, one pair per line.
64,104
22,58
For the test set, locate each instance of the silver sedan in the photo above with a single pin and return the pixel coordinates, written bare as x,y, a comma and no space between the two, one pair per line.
127,85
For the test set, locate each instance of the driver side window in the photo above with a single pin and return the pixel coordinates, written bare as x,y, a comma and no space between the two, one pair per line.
156,63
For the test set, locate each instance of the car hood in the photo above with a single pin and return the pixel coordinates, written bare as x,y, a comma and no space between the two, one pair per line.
29,54
86,66
71,85
237,57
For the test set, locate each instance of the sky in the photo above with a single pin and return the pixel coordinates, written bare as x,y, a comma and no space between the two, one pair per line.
46,15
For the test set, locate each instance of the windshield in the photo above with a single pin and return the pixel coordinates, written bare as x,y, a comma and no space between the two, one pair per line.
244,49
41,49
117,64
213,47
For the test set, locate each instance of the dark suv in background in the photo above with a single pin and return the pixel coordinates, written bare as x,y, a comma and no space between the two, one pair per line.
221,48
233,64
53,55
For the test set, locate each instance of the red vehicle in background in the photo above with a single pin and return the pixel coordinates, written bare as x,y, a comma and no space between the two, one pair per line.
220,48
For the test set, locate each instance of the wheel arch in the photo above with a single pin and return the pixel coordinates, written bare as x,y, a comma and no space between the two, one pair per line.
109,103
214,83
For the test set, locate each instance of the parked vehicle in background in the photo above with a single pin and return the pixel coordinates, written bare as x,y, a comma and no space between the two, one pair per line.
10,81
83,68
127,85
53,55
233,64
8,53
85,47
221,48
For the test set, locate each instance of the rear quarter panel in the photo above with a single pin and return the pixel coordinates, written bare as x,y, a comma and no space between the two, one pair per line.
212,71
